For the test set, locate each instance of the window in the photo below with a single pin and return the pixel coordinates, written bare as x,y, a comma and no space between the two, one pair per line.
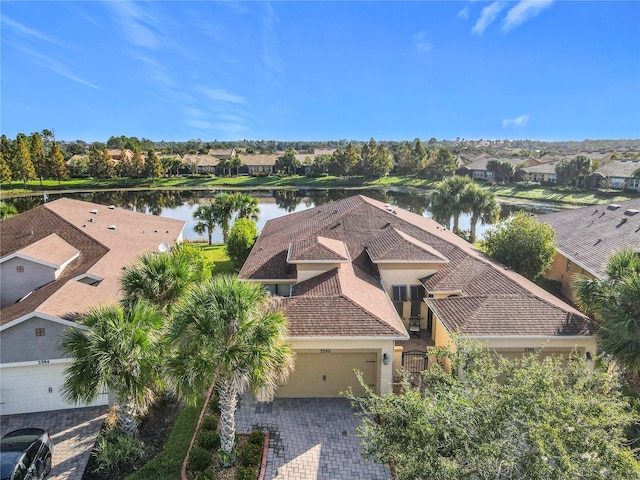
39,332
399,297
20,269
279,289
417,293
634,183
399,293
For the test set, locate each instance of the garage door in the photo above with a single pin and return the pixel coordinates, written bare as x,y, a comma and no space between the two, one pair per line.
35,388
328,374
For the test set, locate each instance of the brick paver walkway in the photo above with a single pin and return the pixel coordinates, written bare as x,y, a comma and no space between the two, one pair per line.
310,439
73,431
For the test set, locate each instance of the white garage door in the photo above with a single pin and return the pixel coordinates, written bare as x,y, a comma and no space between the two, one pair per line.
35,388
328,374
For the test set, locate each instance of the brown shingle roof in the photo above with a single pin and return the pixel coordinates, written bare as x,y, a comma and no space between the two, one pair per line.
103,251
589,235
318,249
51,249
504,315
364,224
396,246
341,302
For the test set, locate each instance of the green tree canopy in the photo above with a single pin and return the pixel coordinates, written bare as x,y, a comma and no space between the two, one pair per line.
152,165
443,164
522,243
122,351
5,171
56,166
24,169
614,302
242,236
524,418
226,331
482,205
206,217
502,170
38,158
287,163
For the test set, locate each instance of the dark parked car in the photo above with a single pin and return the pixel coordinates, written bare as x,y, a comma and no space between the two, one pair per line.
25,454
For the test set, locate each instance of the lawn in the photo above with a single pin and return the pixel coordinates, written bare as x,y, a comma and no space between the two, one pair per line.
217,254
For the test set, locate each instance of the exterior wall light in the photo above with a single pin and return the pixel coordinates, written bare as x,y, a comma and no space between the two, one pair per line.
385,359
588,356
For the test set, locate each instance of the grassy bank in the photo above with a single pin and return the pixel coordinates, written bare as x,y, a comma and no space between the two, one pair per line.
555,194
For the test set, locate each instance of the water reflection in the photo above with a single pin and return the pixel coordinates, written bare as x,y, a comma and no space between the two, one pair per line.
180,204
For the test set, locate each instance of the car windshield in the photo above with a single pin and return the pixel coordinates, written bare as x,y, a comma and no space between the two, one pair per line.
9,460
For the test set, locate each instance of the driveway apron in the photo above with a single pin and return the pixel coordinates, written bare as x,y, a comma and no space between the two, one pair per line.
310,439
73,432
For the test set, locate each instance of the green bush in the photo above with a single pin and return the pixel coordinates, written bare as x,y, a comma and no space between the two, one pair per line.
257,438
214,405
209,423
209,439
115,448
250,455
206,475
199,459
246,473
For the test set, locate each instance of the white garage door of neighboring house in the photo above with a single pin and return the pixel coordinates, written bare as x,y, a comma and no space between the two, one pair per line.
35,388
327,374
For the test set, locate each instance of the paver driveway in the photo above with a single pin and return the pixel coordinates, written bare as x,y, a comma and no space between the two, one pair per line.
310,439
73,431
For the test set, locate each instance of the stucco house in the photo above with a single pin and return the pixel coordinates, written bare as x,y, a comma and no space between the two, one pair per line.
57,261
616,174
477,169
356,276
587,236
543,173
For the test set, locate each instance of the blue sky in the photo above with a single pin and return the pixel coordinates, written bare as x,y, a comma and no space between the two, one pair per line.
546,70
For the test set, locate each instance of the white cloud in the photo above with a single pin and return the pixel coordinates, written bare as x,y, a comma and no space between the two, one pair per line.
220,95
421,42
517,122
136,23
55,66
523,11
27,32
464,13
487,17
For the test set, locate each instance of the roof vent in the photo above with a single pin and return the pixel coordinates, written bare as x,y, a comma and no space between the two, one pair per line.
94,211
112,207
84,225
112,227
91,220
613,206
631,211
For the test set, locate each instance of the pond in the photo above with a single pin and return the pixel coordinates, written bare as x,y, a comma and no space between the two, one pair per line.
180,204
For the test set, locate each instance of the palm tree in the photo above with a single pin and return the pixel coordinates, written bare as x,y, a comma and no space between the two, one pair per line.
225,330
7,211
447,200
206,217
483,206
614,302
122,351
162,278
246,206
224,208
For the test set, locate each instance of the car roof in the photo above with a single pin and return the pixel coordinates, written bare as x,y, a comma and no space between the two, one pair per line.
20,440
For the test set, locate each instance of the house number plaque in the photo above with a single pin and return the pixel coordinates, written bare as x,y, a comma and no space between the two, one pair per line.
325,350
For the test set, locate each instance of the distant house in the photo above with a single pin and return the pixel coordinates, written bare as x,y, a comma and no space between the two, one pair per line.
56,262
201,164
616,174
258,164
356,276
586,237
477,169
543,173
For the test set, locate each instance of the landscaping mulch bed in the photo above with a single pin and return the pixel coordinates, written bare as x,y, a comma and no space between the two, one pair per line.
154,431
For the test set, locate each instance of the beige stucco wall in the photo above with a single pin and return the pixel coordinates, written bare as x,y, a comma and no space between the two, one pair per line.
582,344
563,270
310,270
385,372
14,285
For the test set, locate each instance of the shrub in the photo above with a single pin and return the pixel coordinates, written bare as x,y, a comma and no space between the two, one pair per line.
256,438
527,184
214,405
250,455
246,473
115,448
209,423
199,459
209,439
206,475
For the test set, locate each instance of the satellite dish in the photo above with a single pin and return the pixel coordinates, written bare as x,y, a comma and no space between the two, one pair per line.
163,247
